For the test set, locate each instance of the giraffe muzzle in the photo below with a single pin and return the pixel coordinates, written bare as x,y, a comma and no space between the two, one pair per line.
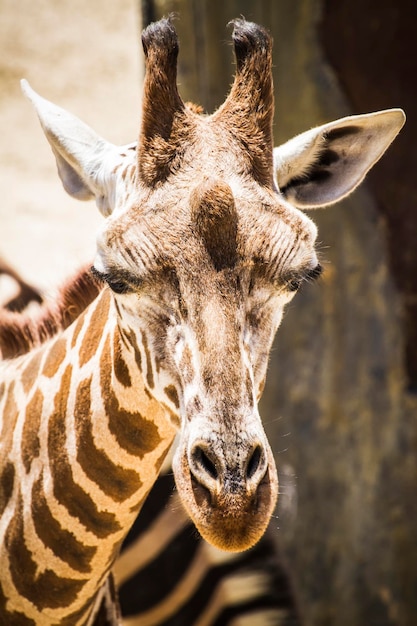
229,489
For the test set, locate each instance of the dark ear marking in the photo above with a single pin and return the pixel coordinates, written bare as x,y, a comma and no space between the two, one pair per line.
318,175
341,133
328,157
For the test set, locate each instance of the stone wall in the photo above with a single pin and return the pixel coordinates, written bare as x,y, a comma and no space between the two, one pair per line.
85,57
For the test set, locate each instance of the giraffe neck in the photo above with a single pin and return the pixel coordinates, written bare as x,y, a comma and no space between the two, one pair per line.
82,444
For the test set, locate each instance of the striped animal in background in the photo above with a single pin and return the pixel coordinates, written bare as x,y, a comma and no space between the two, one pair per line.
168,576
200,252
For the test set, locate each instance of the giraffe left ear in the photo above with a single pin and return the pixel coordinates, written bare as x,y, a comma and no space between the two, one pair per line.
325,164
84,159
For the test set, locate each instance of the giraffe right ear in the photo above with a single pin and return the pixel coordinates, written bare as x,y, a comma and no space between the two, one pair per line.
85,160
325,164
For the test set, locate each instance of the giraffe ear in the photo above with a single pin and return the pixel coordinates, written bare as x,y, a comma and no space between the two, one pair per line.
325,164
84,159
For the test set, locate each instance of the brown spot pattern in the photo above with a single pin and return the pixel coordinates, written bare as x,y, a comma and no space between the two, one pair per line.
30,438
7,474
131,338
44,590
12,618
160,460
133,432
76,616
62,542
54,357
6,485
31,372
10,411
149,371
92,337
77,329
172,394
115,481
70,494
119,364
186,365
124,340
10,415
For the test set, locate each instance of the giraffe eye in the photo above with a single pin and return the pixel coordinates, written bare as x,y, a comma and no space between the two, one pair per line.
119,286
294,283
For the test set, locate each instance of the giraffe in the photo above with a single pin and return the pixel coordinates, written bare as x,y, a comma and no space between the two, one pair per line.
203,245
26,293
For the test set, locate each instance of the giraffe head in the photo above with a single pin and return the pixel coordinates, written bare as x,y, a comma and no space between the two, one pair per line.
203,246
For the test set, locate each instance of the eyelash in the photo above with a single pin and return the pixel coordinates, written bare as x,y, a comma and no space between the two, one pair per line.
295,283
117,286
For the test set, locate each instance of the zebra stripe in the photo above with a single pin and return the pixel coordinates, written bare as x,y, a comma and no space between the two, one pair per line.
168,576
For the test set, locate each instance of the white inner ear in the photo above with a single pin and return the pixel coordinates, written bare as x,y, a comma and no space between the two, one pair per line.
85,160
325,164
71,181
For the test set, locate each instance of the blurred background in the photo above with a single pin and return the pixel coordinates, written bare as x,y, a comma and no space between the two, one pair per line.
340,406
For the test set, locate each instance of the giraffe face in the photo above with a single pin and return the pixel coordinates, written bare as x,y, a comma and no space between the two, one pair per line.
201,287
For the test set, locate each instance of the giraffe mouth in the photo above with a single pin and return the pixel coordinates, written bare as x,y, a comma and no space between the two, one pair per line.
233,521
228,514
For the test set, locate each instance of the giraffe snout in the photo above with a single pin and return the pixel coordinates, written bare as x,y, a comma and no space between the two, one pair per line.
228,485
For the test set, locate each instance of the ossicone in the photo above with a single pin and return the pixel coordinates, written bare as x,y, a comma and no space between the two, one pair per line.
163,111
249,39
161,38
249,108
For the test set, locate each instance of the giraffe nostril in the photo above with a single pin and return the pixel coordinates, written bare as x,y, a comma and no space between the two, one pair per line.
203,462
254,462
214,473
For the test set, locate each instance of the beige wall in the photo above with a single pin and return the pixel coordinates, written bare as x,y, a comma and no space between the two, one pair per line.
84,56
